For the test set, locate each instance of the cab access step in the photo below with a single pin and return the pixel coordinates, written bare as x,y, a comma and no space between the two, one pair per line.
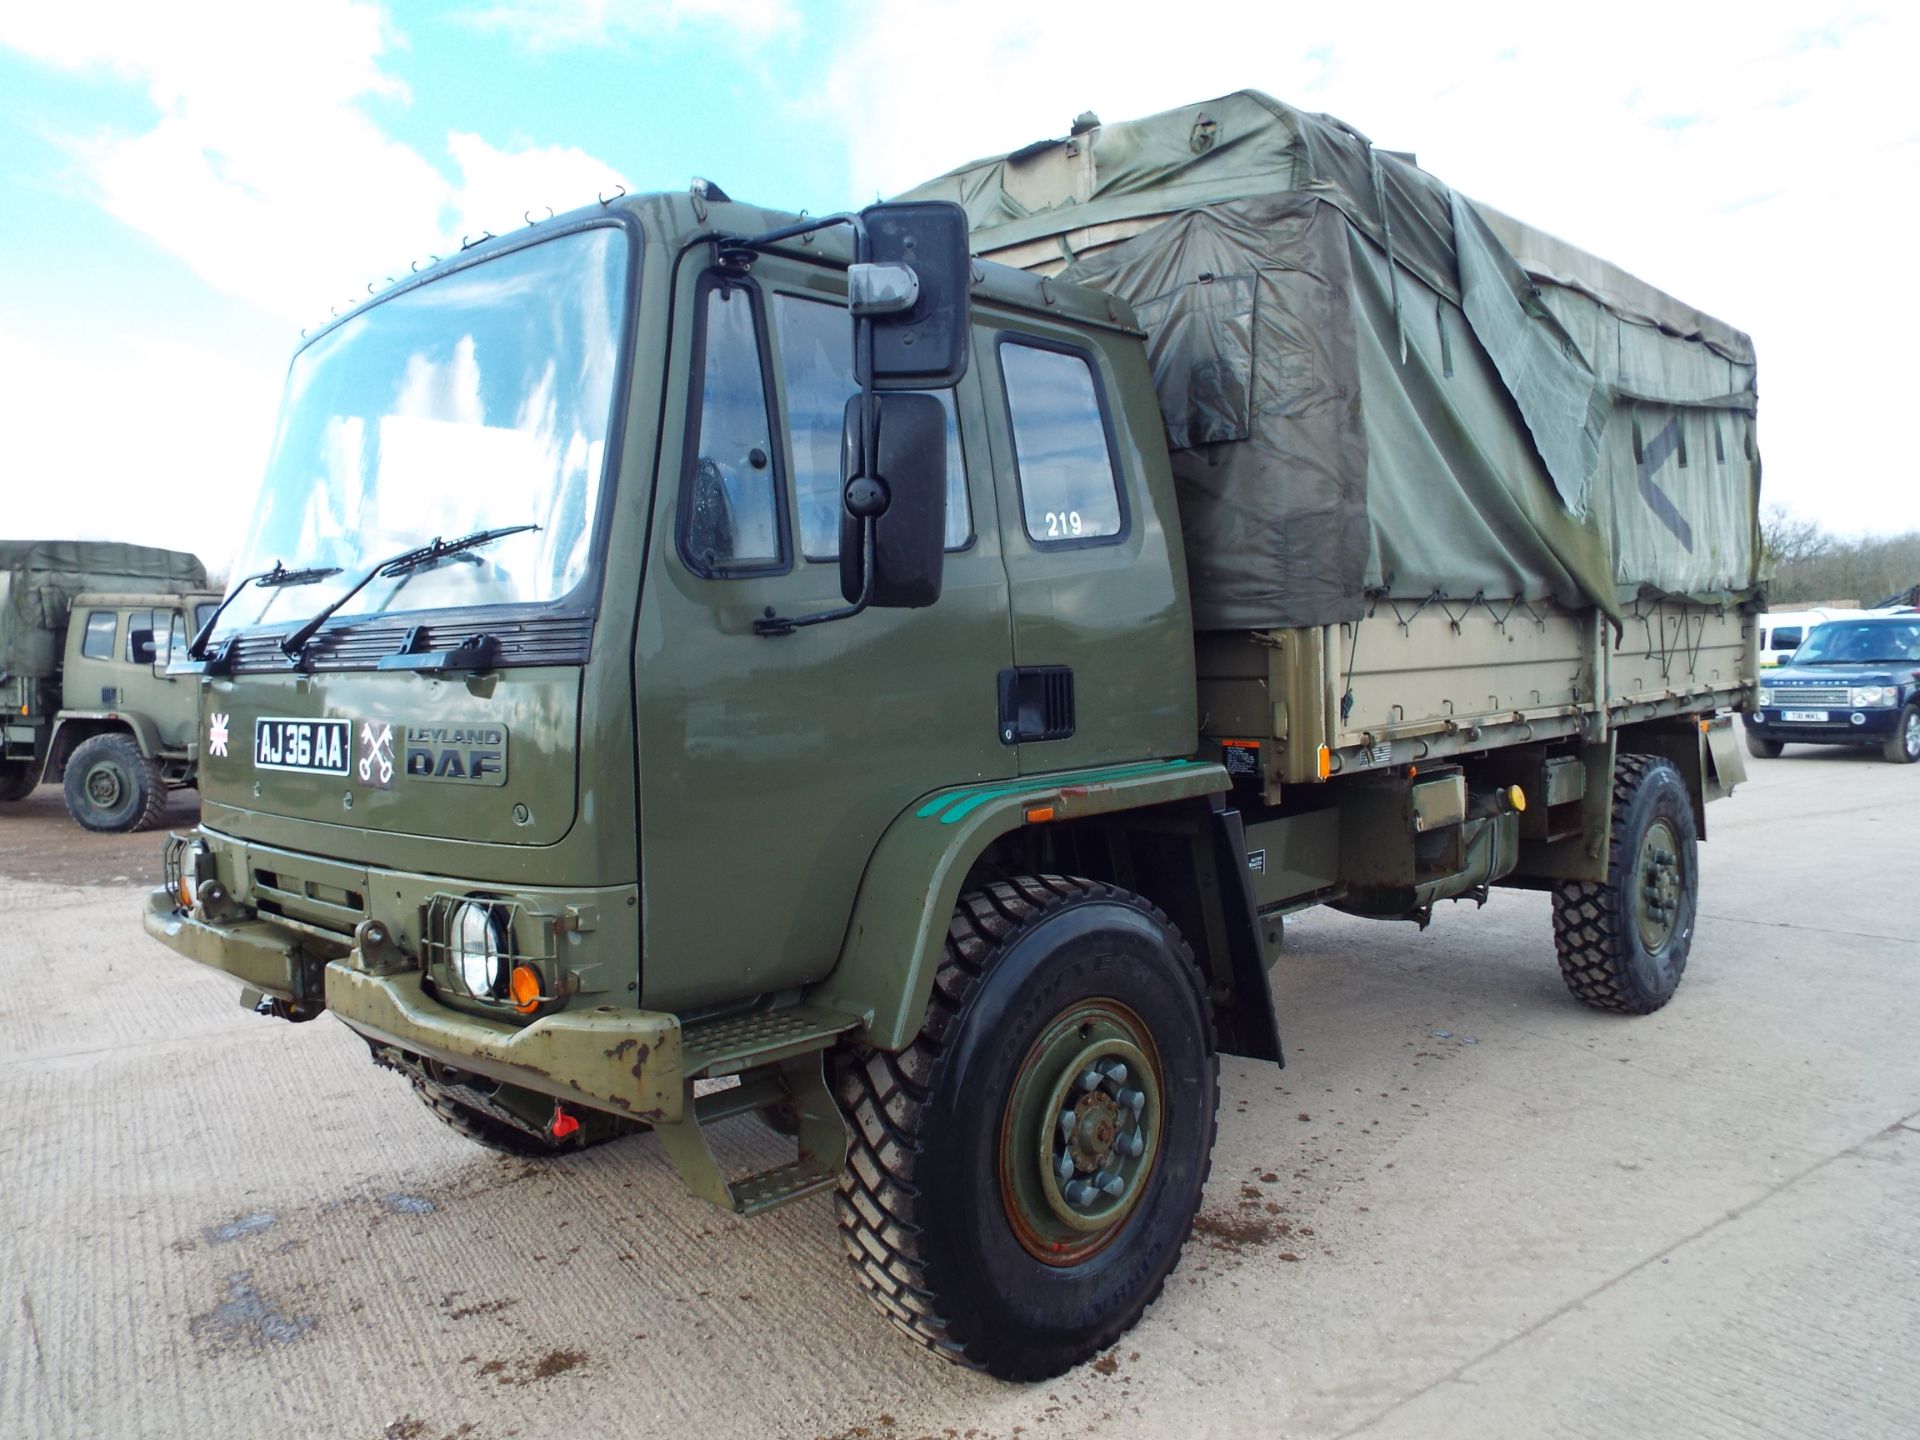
642,1064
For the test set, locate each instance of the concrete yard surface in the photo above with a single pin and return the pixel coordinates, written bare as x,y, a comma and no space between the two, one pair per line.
1468,1207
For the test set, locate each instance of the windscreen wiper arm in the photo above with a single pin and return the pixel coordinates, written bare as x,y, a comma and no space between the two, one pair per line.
267,580
437,549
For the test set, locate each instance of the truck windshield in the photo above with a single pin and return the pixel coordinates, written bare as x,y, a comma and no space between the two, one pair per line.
478,400
1836,643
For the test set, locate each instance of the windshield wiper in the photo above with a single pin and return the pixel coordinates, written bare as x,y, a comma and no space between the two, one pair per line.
267,580
295,644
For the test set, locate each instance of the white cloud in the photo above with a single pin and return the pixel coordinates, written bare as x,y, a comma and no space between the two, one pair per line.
501,189
140,438
1757,160
557,24
264,173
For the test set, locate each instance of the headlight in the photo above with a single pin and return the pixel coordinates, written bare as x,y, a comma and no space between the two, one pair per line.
1766,696
1871,695
184,863
480,950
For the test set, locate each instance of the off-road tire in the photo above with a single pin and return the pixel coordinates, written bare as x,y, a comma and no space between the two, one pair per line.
920,1205
18,778
1762,749
141,791
1604,958
1903,746
459,1107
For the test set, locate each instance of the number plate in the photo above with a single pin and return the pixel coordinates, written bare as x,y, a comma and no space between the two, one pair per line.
313,747
1813,716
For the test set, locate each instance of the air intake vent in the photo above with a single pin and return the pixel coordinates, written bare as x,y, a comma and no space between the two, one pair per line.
1036,703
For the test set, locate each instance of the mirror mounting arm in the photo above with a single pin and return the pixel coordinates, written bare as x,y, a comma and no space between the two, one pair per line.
738,250
772,625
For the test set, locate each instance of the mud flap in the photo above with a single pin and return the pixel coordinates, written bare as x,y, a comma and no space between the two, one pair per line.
1726,761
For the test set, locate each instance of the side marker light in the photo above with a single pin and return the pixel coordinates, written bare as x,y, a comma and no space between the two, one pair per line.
524,987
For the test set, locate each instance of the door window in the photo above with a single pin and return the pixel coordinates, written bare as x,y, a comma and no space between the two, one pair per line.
1069,485
97,643
174,640
816,369
730,510
140,637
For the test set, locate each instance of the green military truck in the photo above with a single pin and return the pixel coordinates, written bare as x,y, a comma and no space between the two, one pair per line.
755,664
87,629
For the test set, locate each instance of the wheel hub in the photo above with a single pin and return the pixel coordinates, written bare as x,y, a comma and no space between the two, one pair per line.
103,786
1082,1132
1657,903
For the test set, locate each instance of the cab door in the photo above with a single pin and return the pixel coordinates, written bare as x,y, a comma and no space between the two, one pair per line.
770,765
1102,627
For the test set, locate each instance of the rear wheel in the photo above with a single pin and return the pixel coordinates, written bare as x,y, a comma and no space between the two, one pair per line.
1623,943
1903,746
1021,1179
17,779
1764,749
110,786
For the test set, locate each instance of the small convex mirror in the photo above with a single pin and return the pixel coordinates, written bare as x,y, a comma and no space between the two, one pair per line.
921,344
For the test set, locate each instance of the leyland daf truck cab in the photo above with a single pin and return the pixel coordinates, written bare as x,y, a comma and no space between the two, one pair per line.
690,661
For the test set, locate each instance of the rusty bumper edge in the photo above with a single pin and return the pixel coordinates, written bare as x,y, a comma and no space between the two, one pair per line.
626,1062
253,953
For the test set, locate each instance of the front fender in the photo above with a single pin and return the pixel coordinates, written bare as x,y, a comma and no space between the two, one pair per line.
73,726
912,882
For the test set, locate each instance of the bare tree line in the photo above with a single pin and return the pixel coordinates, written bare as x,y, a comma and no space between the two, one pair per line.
1812,567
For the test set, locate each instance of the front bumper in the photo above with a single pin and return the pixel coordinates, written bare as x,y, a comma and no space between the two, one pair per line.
626,1062
1841,727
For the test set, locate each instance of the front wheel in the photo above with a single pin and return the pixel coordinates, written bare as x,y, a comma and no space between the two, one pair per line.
1764,749
1021,1179
111,786
1903,746
504,1118
1623,942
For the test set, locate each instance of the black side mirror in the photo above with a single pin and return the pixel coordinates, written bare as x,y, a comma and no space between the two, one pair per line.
140,642
915,286
902,494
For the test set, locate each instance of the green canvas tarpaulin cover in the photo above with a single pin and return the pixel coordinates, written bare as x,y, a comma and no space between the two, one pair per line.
39,578
1373,386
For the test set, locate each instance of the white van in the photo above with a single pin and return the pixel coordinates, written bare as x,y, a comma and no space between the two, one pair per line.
1784,631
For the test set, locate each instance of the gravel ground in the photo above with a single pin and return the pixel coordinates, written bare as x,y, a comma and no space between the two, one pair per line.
1468,1207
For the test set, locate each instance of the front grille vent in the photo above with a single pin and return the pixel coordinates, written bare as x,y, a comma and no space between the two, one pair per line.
1799,697
544,640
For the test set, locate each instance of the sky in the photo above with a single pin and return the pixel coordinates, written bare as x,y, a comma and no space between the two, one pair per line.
187,187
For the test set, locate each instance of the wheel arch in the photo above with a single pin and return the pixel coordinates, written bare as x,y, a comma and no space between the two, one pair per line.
1103,825
75,727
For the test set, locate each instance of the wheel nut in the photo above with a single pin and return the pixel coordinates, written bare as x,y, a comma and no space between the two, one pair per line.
1081,1193
1089,1079
1112,1184
1117,1073
1134,1100
1066,1124
1064,1167
1132,1143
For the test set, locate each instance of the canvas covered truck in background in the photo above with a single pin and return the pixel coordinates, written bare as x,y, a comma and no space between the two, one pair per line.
86,632
748,664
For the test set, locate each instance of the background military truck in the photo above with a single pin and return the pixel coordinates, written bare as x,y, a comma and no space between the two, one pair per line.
914,730
86,632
